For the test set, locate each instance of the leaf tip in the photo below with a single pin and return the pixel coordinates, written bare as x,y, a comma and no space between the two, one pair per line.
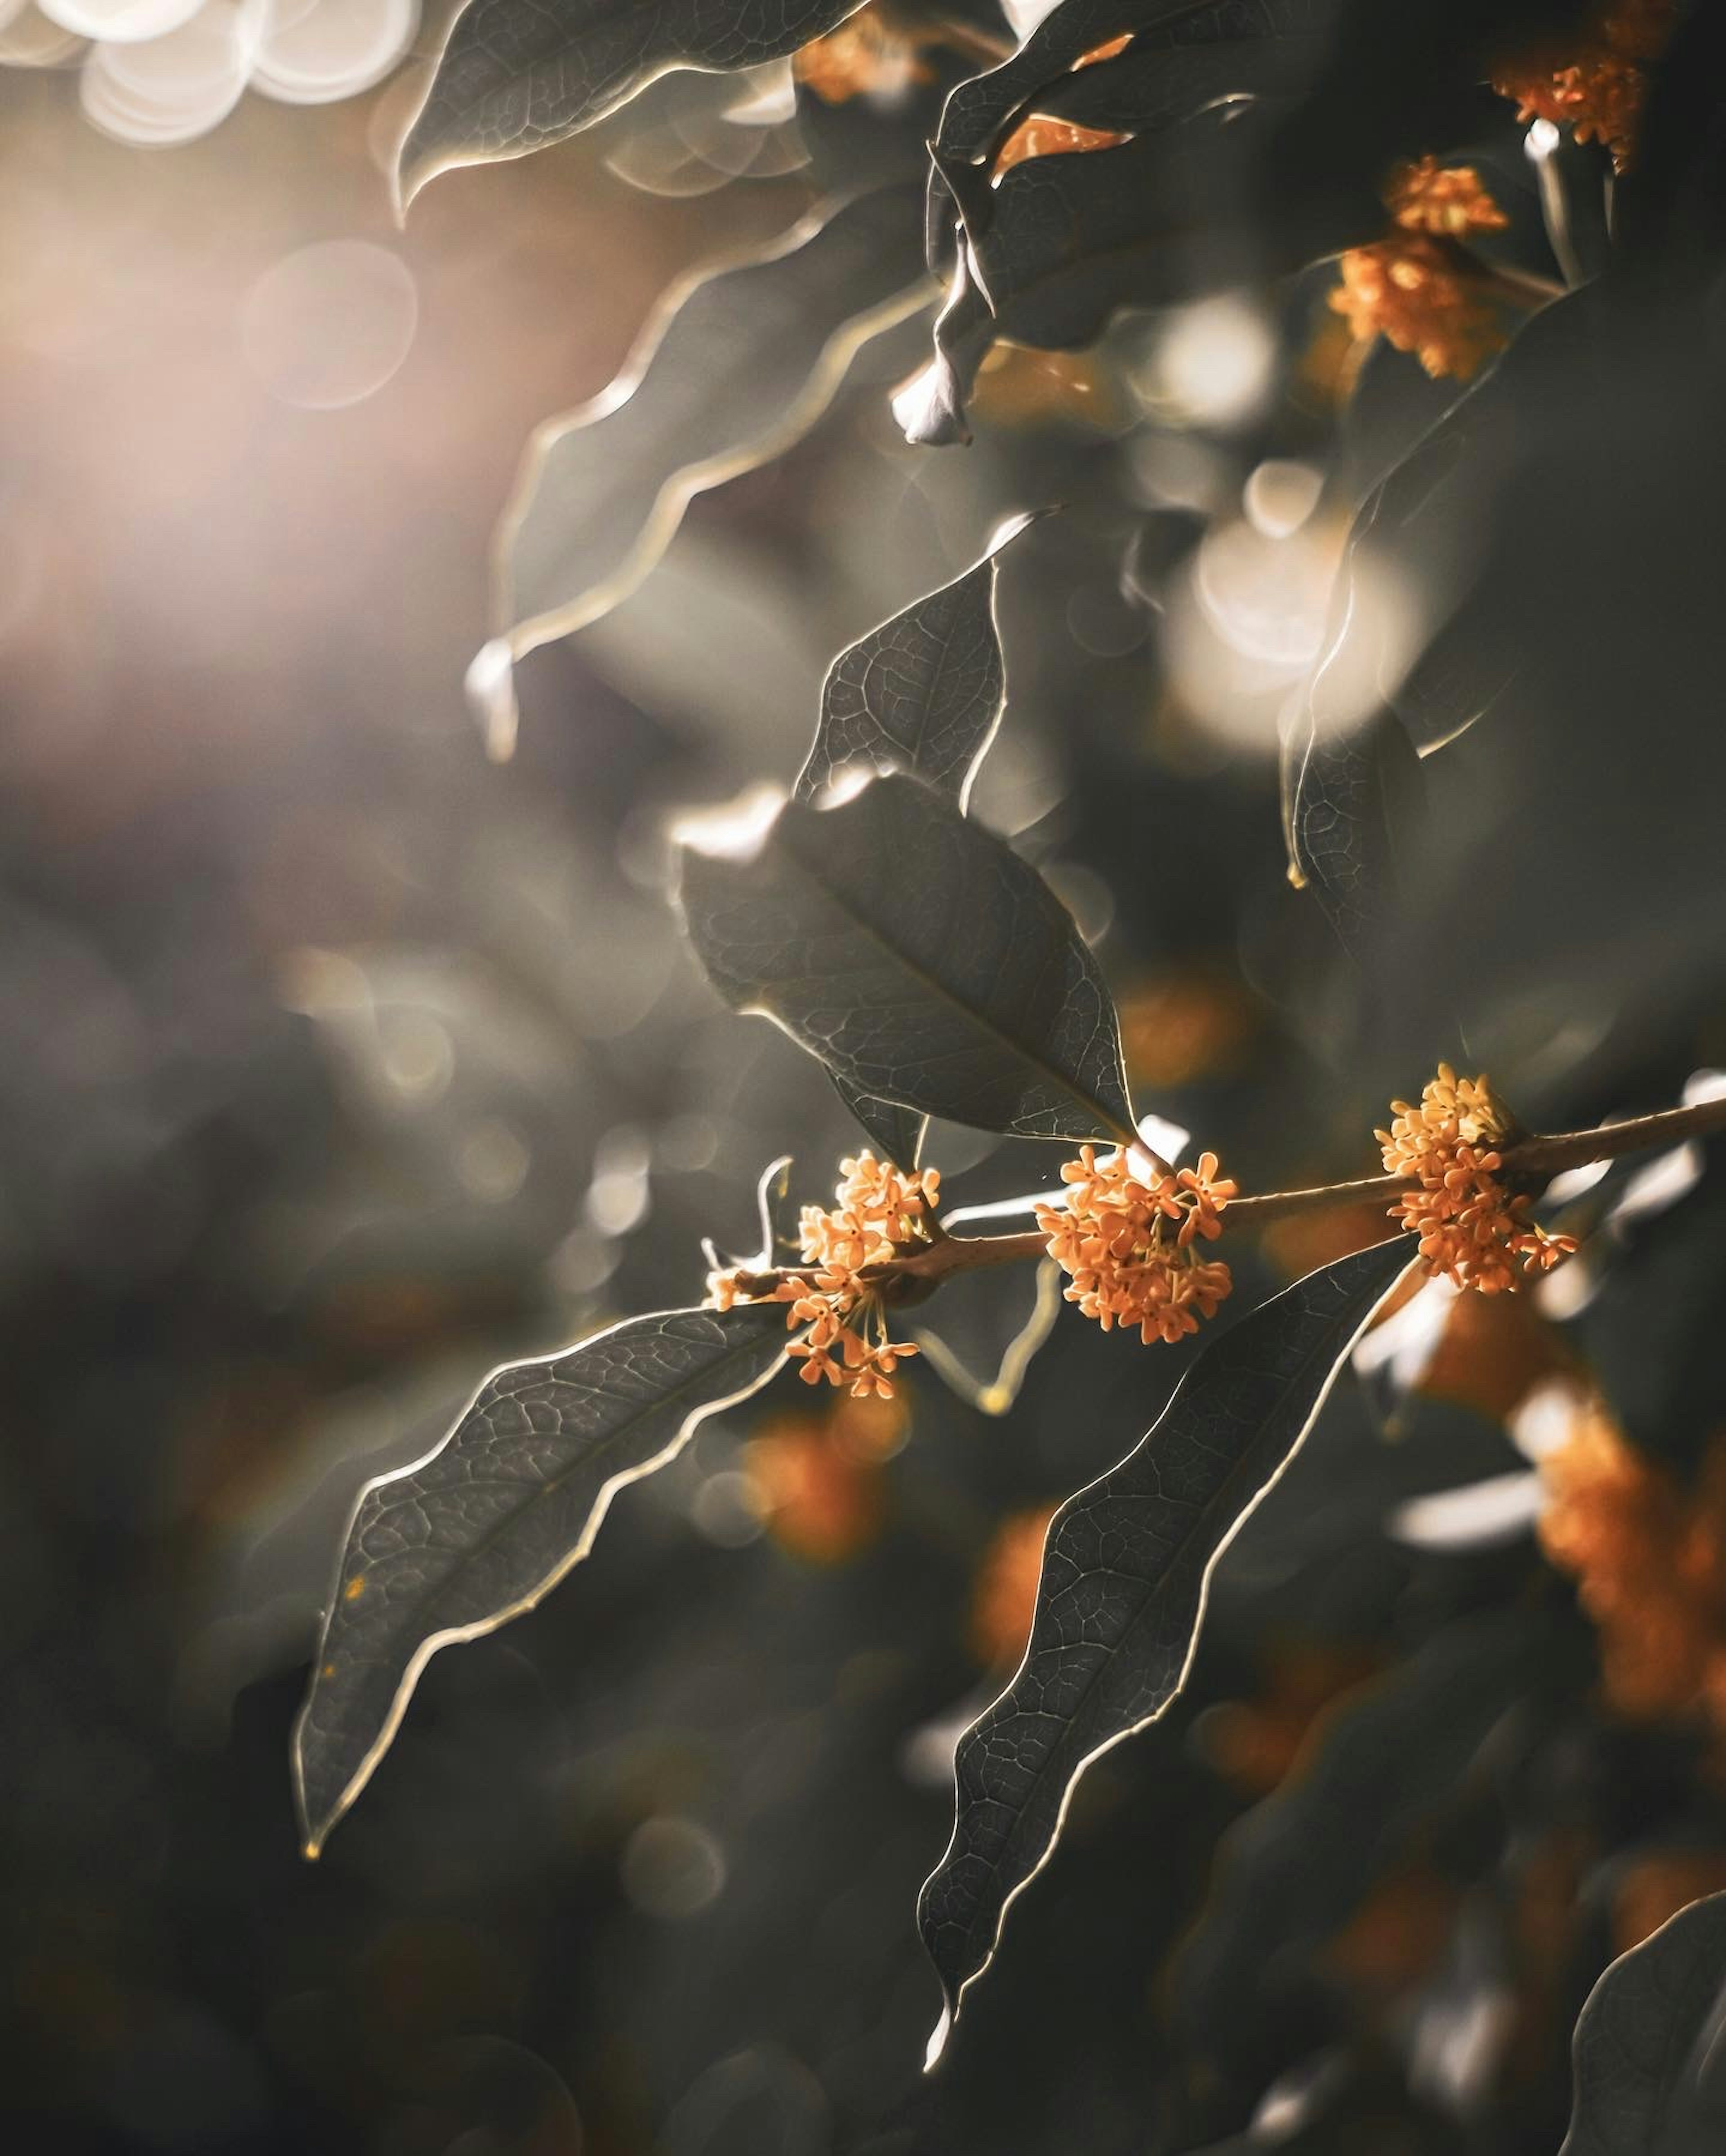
937,2040
490,686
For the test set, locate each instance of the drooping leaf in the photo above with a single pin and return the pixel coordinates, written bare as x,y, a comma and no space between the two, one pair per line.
517,75
1355,803
1125,1572
1649,2062
1389,1756
896,1133
488,1522
738,363
920,958
922,693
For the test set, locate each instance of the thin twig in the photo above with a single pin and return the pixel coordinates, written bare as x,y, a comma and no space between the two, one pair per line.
1534,1157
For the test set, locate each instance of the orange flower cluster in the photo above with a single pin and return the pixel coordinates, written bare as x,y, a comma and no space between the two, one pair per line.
1446,200
1128,1241
868,54
1472,1227
1419,288
1420,296
1649,1560
1599,92
879,1215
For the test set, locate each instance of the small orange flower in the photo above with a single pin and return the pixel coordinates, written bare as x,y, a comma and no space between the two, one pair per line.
1470,1226
879,1214
1113,1240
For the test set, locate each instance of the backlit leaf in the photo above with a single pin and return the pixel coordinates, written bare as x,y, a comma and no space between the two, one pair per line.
923,693
1649,2075
920,958
1126,1568
896,1133
738,363
518,75
478,1531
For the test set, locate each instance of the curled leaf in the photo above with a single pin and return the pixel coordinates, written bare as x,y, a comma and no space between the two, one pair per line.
919,958
1125,1569
517,75
491,1519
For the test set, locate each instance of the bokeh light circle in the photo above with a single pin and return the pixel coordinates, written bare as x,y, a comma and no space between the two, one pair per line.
329,325
171,89
120,22
317,51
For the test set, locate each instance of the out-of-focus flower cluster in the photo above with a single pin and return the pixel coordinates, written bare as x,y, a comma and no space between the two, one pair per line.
1472,1227
1419,288
1599,91
1129,1240
879,1214
1649,1559
815,1477
870,54
1004,1597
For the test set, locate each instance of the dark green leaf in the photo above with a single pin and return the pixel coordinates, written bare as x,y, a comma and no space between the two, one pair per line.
979,112
478,1531
896,1133
923,693
1650,2076
1354,804
1299,1865
920,958
736,366
1126,1568
517,75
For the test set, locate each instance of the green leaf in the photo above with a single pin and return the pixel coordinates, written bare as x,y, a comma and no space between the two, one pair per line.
1125,1569
1650,2076
491,1519
920,959
739,361
517,75
923,693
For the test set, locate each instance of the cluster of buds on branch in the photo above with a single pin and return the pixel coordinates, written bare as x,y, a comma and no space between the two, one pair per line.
880,1217
1129,1240
1472,1228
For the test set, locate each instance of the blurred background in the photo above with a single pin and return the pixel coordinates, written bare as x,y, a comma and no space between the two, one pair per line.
342,1063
